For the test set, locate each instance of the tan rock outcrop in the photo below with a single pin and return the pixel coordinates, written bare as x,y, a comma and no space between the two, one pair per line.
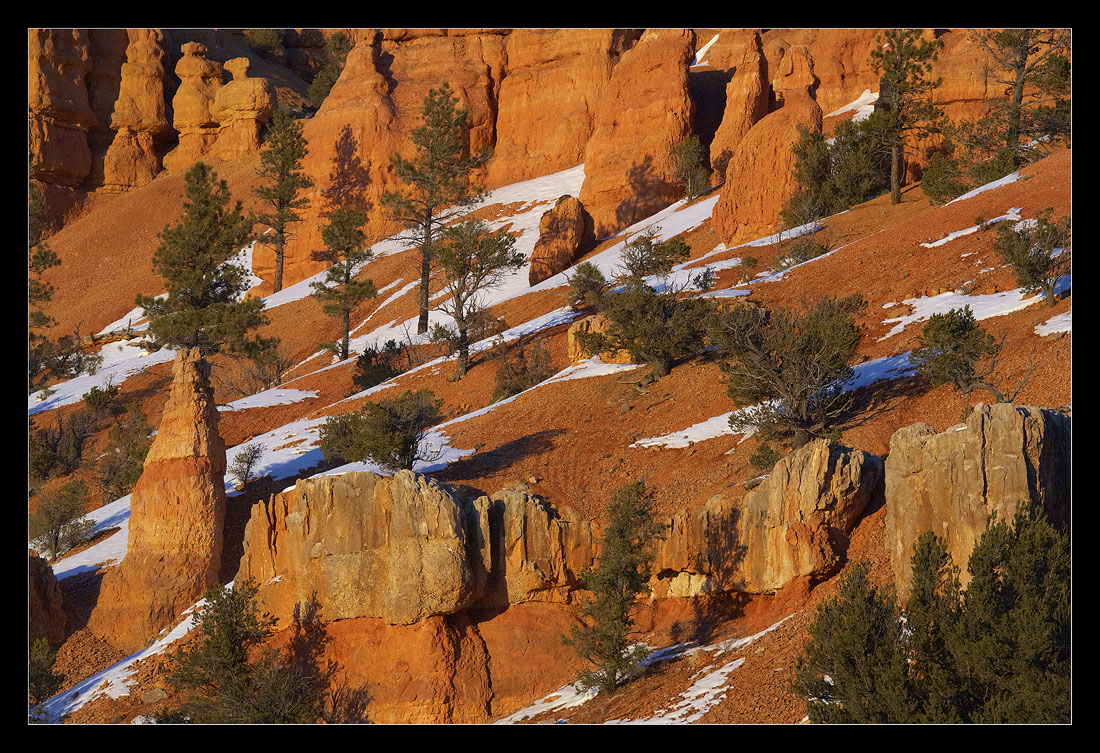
59,115
140,116
177,512
549,99
241,107
46,611
565,232
597,323
792,525
364,546
759,177
951,482
200,79
646,111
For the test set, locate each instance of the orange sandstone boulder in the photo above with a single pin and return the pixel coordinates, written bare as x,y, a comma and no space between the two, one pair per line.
241,107
746,102
645,112
47,615
177,512
565,233
200,79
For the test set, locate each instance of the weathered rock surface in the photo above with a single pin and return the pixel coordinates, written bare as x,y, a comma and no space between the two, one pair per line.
759,179
47,613
951,482
241,107
746,103
177,512
647,110
565,233
549,99
59,114
140,116
792,525
200,79
593,324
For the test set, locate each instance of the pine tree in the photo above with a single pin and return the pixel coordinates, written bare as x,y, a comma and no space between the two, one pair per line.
337,47
472,261
389,433
58,522
688,170
202,308
437,180
42,681
904,110
345,241
1038,253
281,167
622,572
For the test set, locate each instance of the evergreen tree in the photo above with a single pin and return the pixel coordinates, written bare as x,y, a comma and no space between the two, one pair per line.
129,440
586,286
794,363
281,168
337,46
472,260
42,681
437,180
377,364
688,170
646,255
57,523
345,241
1038,252
904,110
202,308
622,572
950,348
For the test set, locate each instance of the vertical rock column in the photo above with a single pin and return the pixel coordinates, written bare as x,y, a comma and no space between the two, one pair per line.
177,511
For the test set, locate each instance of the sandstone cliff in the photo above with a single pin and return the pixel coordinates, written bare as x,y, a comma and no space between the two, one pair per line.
177,509
47,613
952,482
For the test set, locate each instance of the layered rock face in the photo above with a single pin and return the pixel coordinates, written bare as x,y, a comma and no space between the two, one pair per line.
550,97
950,483
177,513
241,107
140,116
759,179
60,115
794,524
565,233
200,79
747,96
47,614
647,110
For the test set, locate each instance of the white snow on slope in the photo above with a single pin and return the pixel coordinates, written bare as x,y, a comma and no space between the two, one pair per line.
862,106
701,54
982,306
1011,214
1010,178
121,360
273,396
1058,323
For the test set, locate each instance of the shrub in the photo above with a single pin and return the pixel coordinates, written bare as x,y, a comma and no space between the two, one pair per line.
764,457
245,461
389,433
586,286
58,523
950,348
1030,250
377,364
655,328
940,181
646,255
121,465
58,450
621,573
42,681
688,170
521,369
794,363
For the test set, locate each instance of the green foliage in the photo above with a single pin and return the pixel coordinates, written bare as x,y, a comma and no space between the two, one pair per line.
520,369
233,680
764,457
950,348
245,461
646,255
621,574
999,652
655,328
281,170
905,111
58,523
1030,251
202,307
688,168
794,363
389,433
266,41
942,178
345,241
337,47
42,681
437,180
58,450
128,442
472,260
586,286
377,364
